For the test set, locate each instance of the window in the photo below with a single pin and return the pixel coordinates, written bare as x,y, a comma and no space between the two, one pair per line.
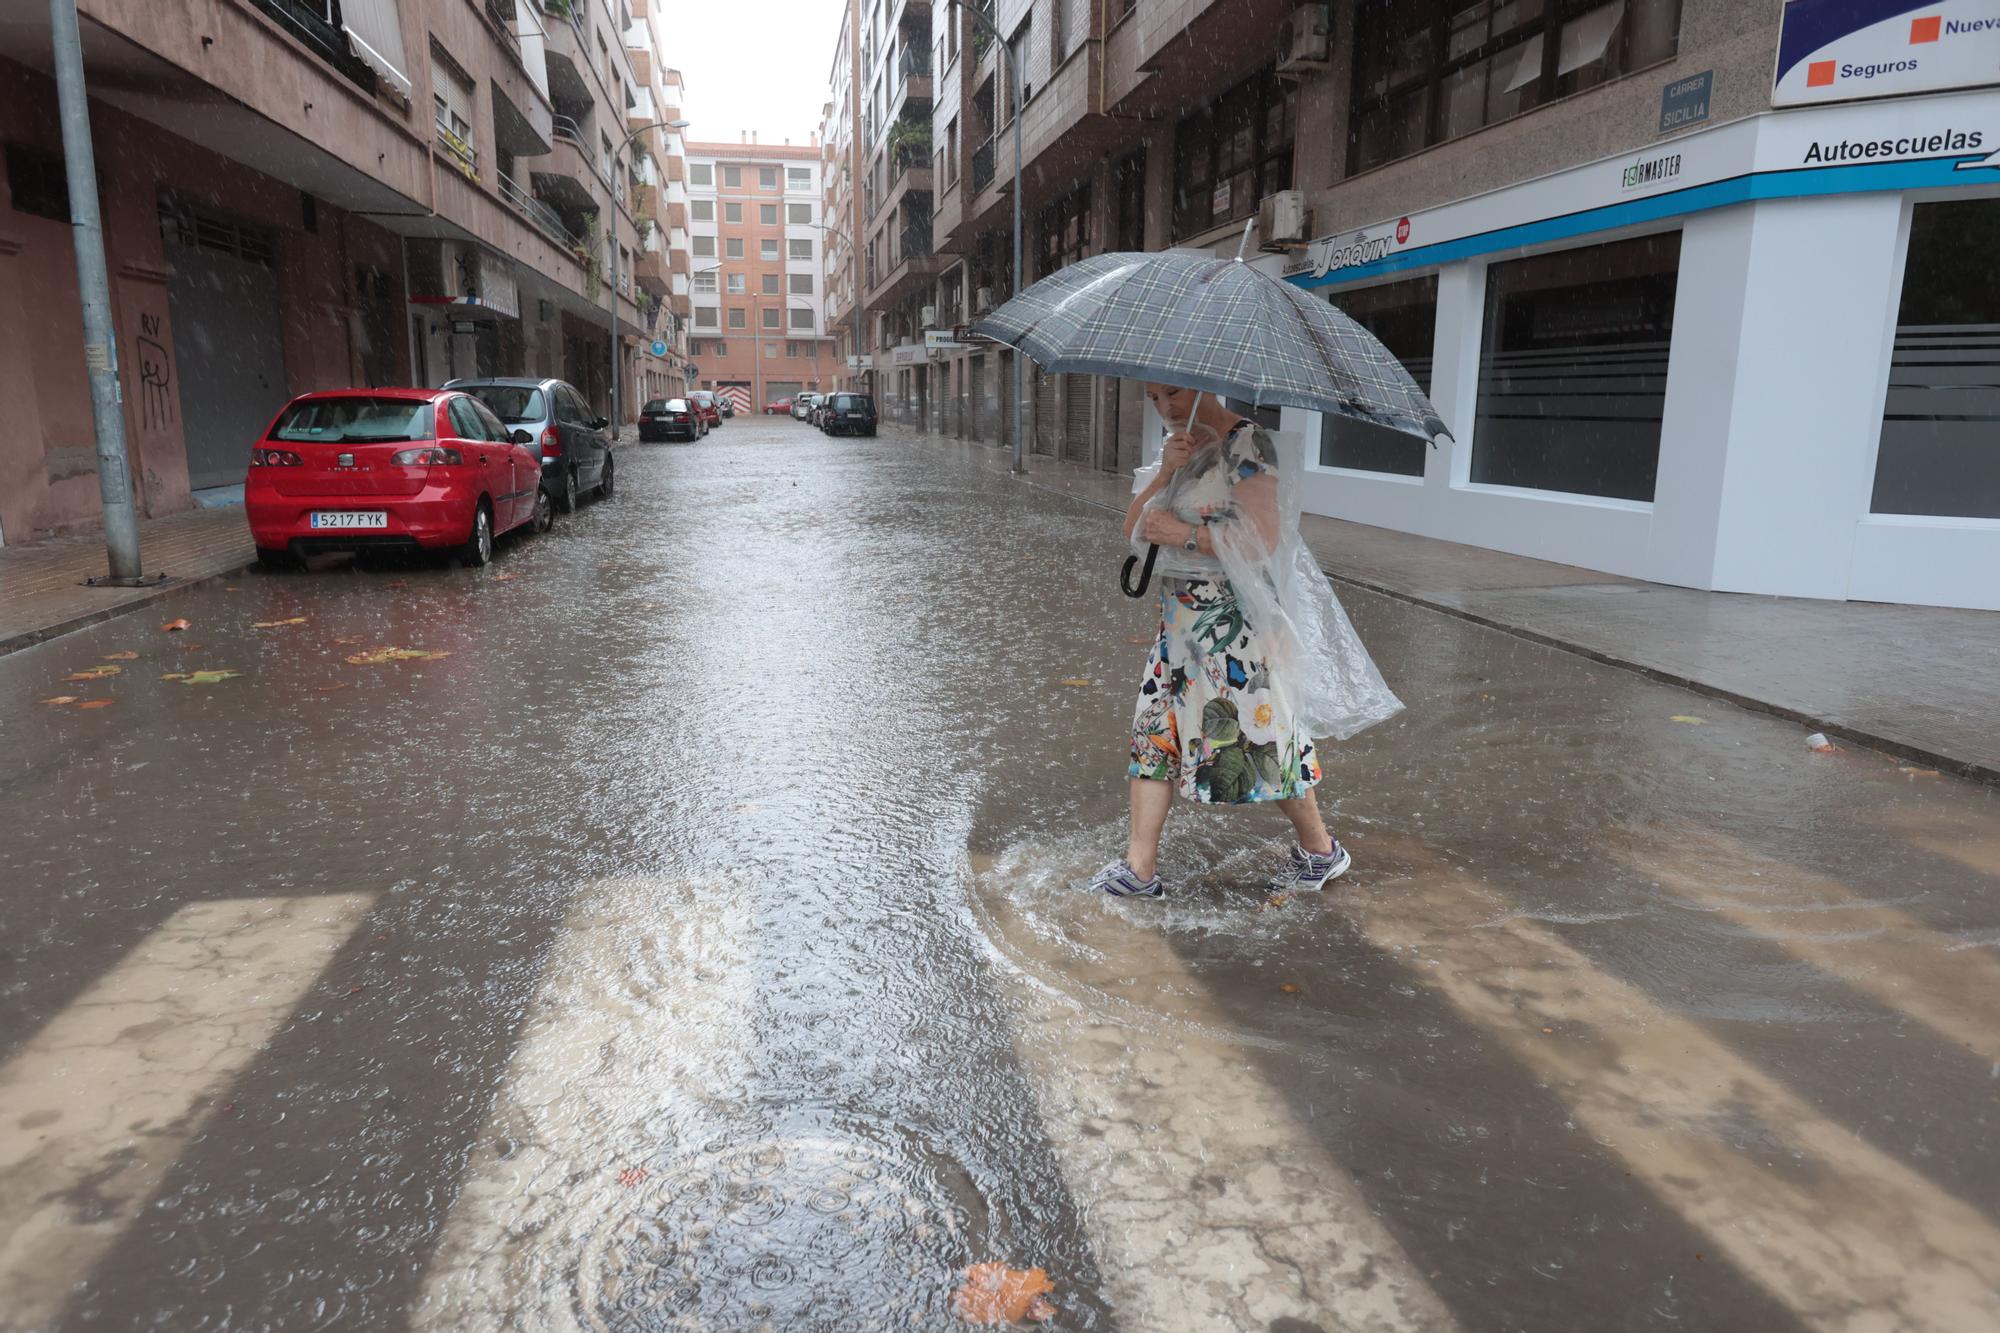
770,284
732,212
704,246
801,283
1065,230
451,109
770,317
701,173
1404,316
701,210
736,318
1573,371
1426,71
704,317
721,347
38,183
801,319
767,215
795,350
800,247
1233,153
1940,452
798,178
768,248
767,178
733,247
736,287
732,178
1128,183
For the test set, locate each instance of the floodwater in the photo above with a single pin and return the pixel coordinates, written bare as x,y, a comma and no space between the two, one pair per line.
698,945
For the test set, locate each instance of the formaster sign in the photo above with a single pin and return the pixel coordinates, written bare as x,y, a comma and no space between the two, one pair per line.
1937,142
1841,50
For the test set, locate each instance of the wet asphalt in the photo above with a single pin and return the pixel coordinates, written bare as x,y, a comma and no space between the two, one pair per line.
697,944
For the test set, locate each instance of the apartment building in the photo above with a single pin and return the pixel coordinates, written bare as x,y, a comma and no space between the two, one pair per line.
663,367
1705,290
756,244
308,194
840,176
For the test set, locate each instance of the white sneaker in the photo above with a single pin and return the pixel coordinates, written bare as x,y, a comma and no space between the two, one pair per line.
1309,872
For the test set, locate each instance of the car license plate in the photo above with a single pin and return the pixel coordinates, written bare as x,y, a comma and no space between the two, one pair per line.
375,518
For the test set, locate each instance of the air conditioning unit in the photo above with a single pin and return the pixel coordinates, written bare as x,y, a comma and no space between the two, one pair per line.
982,301
1307,45
1282,220
929,316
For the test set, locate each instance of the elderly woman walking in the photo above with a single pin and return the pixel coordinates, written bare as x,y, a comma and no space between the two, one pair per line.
1254,657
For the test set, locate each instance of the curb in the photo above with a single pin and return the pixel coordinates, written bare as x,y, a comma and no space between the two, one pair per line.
1965,768
29,638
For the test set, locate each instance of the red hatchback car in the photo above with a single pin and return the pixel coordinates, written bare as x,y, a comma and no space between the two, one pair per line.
389,469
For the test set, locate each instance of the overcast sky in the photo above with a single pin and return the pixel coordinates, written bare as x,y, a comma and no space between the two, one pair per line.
751,64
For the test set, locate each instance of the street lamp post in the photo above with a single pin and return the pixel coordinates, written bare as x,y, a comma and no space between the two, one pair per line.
612,234
1014,86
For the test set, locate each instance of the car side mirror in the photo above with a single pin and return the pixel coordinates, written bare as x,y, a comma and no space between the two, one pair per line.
599,423
521,437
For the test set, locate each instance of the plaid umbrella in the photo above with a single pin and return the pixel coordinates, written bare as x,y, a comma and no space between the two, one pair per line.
1212,324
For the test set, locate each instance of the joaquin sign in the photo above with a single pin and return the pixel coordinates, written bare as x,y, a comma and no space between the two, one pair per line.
1841,50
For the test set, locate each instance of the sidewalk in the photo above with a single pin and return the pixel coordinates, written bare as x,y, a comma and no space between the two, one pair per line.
1919,682
42,592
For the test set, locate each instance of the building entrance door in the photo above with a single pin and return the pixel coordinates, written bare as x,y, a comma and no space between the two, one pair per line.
223,300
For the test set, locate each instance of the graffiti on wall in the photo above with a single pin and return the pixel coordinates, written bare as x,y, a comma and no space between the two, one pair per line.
156,377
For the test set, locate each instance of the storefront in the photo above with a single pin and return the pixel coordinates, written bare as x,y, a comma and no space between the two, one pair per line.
1760,357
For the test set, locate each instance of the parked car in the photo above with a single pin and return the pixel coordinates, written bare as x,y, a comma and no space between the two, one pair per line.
849,414
571,439
391,469
777,407
803,405
671,419
704,403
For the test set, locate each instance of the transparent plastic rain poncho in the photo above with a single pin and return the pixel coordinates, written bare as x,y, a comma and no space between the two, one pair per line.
1319,668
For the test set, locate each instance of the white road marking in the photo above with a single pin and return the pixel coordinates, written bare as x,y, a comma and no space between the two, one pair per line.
96,1107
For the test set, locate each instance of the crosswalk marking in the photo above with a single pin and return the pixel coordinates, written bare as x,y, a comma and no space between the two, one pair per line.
1848,1237
106,1094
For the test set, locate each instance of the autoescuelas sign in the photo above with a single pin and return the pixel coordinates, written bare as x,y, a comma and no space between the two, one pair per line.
1840,50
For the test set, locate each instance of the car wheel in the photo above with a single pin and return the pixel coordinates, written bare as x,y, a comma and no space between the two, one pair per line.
569,490
478,548
545,511
605,482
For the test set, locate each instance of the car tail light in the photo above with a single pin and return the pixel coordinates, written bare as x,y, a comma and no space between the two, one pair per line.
275,458
427,457
551,442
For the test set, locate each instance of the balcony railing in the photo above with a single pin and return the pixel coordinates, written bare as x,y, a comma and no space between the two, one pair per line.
982,165
569,132
916,239
537,212
573,11
916,63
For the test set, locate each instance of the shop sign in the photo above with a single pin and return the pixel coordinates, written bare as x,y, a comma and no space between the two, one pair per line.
942,340
1841,50
1654,169
1684,102
909,354
861,363
1334,253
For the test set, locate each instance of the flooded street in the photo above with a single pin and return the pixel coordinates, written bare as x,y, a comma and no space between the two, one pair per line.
693,939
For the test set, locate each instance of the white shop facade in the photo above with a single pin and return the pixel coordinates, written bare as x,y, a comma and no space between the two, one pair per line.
1760,357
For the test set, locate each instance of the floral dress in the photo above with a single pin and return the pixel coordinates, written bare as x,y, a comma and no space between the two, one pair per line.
1207,719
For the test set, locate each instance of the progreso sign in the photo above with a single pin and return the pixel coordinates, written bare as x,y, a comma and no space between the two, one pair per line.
1841,50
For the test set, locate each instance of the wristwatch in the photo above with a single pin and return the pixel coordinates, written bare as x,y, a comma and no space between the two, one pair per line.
1193,544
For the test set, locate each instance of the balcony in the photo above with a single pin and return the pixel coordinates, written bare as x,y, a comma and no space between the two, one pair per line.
982,165
913,80
652,271
568,177
569,52
540,214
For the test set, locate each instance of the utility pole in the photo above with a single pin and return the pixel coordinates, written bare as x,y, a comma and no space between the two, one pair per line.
100,340
1015,88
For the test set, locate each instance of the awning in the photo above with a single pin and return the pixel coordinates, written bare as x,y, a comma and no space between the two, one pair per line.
376,29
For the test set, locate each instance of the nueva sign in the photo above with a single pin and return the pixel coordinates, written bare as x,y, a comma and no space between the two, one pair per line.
1840,50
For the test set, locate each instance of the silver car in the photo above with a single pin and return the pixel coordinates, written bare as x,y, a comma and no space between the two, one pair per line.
803,405
552,417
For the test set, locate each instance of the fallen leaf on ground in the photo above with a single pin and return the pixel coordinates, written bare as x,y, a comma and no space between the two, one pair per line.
1080,683
381,655
94,673
353,640
273,624
61,699
205,677
1143,643
997,1294
502,578
229,587
1920,772
173,625
329,689
633,1175
1275,900
1691,721
96,703
175,675
1291,988
127,656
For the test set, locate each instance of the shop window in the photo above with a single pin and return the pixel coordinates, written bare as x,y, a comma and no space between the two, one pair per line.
1573,370
1427,71
1940,451
1404,316
38,183
1232,153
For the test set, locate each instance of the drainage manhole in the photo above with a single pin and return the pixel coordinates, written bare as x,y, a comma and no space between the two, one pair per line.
797,1233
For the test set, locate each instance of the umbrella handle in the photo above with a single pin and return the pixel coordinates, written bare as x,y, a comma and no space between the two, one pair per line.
1145,575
